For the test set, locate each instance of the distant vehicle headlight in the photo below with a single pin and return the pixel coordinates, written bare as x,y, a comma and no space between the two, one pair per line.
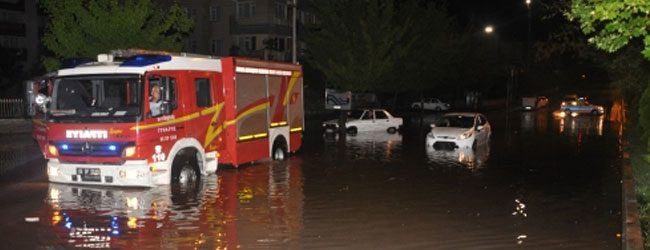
466,135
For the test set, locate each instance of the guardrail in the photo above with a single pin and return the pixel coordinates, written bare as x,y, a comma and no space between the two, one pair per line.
12,108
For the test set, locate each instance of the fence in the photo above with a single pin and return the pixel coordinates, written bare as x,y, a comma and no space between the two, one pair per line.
12,108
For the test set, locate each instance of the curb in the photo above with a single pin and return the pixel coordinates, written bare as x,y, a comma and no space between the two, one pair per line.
632,238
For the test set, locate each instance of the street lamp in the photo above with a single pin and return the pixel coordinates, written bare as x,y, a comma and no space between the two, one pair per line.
489,29
528,3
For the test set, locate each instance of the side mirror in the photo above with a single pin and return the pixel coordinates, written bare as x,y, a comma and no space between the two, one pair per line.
479,127
41,100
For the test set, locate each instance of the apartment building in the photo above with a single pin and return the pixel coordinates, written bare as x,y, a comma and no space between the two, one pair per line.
19,31
253,28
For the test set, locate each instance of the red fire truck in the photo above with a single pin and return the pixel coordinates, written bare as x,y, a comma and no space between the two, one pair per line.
143,118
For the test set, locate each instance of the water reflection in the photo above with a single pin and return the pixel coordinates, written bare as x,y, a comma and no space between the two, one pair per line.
376,146
580,125
469,158
255,206
534,121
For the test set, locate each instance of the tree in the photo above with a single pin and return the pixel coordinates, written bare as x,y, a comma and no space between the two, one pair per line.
611,24
88,27
358,44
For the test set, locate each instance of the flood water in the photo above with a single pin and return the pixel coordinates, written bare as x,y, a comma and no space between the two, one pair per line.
541,183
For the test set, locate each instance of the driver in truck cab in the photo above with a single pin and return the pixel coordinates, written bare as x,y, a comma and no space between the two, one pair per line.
154,101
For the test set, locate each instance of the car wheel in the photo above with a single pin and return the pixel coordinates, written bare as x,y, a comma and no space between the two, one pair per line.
594,112
416,106
391,130
438,109
352,130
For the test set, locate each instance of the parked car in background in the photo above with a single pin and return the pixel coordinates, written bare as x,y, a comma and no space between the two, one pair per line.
367,120
431,104
580,105
534,102
459,130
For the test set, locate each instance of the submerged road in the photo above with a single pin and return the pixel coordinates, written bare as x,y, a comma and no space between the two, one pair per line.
541,183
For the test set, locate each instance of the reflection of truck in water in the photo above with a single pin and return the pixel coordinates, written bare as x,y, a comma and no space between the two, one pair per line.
99,128
232,211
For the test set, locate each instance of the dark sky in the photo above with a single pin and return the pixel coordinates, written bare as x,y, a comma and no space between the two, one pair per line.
509,17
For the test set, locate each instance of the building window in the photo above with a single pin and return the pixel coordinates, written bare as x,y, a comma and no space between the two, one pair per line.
191,13
248,43
280,10
216,47
215,13
245,9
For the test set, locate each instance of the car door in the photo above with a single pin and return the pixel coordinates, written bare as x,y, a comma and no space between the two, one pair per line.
365,122
382,120
428,104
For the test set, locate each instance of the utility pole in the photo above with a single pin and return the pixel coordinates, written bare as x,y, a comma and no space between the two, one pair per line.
294,50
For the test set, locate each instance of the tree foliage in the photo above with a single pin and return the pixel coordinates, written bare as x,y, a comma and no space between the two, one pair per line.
378,45
85,28
611,24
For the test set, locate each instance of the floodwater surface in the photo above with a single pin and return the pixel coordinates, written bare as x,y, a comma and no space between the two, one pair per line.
542,182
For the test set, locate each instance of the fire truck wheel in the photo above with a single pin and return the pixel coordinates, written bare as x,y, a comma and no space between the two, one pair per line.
185,170
279,149
187,175
278,154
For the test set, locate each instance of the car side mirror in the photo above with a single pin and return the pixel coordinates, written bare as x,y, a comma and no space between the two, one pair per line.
479,127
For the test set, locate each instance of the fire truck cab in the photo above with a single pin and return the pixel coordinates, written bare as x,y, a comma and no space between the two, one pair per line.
142,118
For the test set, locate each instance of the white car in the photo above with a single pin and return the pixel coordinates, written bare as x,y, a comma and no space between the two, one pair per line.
459,130
367,120
431,104
580,106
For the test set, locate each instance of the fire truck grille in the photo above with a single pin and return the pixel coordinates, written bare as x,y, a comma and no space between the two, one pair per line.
91,148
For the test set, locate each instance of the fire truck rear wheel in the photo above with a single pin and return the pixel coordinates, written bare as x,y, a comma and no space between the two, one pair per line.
279,149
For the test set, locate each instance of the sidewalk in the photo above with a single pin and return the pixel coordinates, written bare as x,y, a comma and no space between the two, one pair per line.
16,144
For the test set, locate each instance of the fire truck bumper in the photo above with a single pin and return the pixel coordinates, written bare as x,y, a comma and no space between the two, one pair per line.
132,173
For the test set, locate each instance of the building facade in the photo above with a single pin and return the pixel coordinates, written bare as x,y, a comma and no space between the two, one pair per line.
253,28
19,31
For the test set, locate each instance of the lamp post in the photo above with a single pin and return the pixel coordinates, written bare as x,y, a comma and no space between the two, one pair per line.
528,3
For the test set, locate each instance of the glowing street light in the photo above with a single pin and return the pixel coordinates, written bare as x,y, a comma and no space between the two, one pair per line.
489,29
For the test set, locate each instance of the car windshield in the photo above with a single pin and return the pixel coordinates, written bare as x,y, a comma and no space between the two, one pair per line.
457,121
356,114
98,98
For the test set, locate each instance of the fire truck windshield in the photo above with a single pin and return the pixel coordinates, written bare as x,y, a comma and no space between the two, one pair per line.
110,98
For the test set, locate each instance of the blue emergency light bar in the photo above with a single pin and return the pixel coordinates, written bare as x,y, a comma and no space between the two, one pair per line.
145,60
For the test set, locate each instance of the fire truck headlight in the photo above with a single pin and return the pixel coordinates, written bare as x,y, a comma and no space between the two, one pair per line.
52,149
129,151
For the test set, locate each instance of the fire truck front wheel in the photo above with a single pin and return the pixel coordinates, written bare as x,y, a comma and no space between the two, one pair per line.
185,170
